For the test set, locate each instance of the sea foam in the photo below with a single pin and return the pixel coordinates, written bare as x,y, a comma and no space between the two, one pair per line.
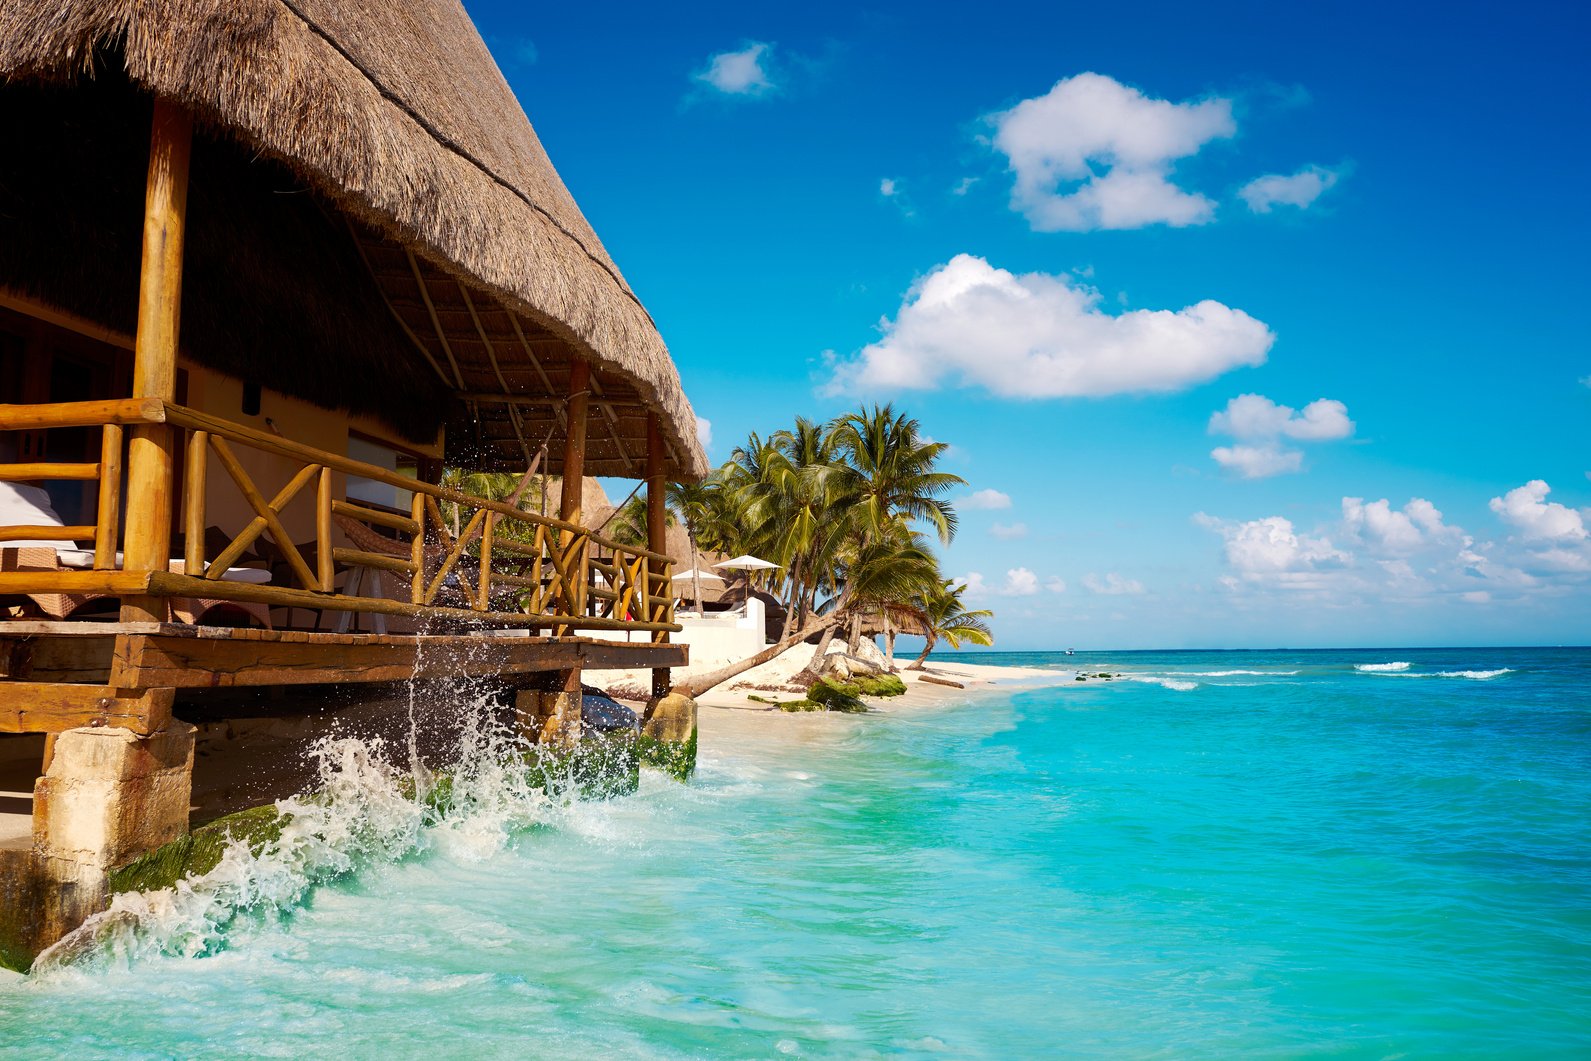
1381,668
364,810
1163,681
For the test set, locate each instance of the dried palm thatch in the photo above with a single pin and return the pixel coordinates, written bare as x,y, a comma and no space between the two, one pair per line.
397,121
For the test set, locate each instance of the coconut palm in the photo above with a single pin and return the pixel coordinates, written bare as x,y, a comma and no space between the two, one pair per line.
943,616
893,471
889,569
705,510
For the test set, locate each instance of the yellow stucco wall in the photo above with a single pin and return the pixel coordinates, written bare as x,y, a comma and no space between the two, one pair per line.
299,421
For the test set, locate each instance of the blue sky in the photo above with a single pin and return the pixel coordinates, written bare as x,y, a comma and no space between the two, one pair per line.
1066,239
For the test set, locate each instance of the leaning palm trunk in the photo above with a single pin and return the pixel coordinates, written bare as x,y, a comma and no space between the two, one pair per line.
694,687
889,642
917,664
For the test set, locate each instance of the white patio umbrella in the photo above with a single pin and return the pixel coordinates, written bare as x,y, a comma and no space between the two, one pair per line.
747,562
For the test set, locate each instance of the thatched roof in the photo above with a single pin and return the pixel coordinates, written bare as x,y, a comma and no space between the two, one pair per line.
421,165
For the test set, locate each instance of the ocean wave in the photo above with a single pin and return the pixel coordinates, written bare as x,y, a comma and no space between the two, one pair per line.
1233,673
1161,680
1381,668
364,810
1472,675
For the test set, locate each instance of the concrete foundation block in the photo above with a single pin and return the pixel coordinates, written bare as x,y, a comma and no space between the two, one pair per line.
110,795
670,718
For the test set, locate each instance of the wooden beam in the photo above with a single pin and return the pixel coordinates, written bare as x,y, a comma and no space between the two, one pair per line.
110,583
535,362
359,244
27,473
172,584
491,355
436,322
82,414
186,663
537,402
108,518
54,707
613,423
32,307
149,465
574,450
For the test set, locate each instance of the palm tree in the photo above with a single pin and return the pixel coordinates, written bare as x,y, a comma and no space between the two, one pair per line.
792,512
490,486
701,507
944,617
629,525
893,473
887,570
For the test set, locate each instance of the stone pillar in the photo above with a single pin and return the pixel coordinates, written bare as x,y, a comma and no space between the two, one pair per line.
550,714
108,797
669,729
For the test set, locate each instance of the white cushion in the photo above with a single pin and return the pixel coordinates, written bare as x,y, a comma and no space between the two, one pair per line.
26,506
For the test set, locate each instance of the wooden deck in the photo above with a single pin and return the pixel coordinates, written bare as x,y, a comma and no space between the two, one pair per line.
56,676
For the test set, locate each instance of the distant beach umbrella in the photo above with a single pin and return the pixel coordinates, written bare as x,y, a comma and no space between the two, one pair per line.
705,576
747,562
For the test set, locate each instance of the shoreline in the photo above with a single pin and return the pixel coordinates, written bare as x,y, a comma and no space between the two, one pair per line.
975,679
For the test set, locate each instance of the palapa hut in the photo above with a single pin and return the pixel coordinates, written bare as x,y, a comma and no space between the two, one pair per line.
267,267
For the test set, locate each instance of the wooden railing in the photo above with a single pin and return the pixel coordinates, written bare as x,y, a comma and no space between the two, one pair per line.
505,566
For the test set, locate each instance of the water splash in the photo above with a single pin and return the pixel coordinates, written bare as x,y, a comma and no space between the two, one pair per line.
362,809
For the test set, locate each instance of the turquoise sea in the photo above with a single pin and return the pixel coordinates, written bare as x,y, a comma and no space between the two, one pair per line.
1371,853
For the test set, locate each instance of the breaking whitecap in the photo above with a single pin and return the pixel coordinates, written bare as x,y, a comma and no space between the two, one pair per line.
361,810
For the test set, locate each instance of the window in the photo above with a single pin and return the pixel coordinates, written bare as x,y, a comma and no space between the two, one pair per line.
382,456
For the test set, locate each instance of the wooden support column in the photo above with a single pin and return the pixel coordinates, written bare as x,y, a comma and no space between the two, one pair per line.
657,530
569,494
150,464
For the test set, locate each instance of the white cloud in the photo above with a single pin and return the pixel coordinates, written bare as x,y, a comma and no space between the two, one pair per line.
1112,584
1300,189
1258,462
742,73
891,190
1256,416
1009,532
1270,546
1020,582
1384,529
1527,508
704,431
971,583
985,499
1093,153
1045,336
963,186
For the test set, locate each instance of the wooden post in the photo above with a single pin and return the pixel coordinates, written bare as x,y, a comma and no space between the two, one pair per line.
149,463
569,494
656,530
